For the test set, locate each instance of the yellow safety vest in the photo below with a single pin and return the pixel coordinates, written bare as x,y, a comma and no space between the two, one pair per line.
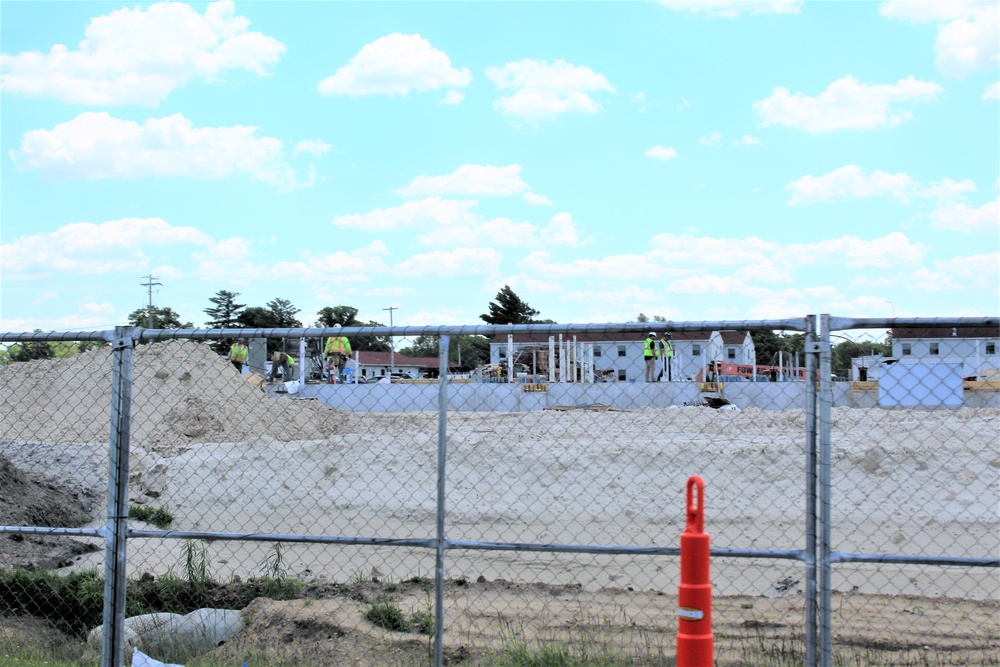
238,352
649,349
338,345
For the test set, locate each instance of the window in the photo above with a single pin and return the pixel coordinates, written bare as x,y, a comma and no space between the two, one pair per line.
621,350
696,350
731,353
503,352
621,375
991,348
597,350
906,349
933,348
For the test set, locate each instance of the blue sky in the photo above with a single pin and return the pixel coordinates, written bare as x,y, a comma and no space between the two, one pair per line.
695,160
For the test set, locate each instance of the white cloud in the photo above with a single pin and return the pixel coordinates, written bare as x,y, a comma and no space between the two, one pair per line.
959,274
661,153
886,252
542,91
460,262
560,231
412,214
313,147
470,179
640,101
852,182
711,139
395,65
95,145
89,248
717,285
968,39
453,97
959,217
748,140
992,91
503,232
846,104
139,56
532,199
731,8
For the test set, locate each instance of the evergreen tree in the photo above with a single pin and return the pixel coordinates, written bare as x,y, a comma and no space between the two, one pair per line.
225,315
508,308
284,313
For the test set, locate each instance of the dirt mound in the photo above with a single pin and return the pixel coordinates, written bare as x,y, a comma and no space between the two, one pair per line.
25,501
182,393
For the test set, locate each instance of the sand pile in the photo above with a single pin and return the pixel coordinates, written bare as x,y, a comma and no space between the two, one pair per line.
183,393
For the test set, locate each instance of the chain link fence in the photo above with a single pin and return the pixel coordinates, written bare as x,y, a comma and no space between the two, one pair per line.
529,509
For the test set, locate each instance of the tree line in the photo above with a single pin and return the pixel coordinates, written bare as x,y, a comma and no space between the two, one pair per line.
466,351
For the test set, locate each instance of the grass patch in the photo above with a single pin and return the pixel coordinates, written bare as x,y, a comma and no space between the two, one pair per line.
158,516
385,613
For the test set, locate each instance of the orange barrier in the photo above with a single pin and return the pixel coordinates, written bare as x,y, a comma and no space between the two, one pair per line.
695,643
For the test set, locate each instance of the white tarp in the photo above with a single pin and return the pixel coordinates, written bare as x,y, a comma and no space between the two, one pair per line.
920,385
140,659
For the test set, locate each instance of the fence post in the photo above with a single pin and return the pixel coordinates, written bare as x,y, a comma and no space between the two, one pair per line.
825,403
812,353
442,456
112,645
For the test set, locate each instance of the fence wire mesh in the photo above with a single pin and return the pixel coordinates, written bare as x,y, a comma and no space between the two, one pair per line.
303,498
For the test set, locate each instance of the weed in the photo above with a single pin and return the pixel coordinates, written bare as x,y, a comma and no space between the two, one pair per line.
196,563
273,566
158,516
387,614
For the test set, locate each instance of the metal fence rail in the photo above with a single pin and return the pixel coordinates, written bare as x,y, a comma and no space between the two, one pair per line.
548,495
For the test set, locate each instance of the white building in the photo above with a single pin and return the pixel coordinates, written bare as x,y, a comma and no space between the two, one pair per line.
621,354
973,347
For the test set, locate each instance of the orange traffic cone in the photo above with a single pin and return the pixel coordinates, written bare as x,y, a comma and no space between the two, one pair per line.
695,644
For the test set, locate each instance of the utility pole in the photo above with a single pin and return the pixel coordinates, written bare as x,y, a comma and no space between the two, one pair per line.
392,343
149,310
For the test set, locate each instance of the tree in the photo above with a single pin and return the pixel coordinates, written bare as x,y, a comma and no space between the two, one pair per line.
508,308
843,352
346,316
769,343
467,351
31,349
284,313
225,315
163,318
256,317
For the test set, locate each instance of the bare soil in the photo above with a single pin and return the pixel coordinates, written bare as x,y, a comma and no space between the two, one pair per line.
225,456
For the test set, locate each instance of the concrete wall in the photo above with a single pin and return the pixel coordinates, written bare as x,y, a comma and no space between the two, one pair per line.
492,397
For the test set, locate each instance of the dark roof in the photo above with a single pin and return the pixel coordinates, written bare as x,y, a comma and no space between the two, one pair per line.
734,337
903,333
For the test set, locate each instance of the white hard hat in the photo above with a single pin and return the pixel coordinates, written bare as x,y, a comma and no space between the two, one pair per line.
652,333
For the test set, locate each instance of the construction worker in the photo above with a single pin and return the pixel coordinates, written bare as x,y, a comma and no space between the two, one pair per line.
283,361
238,354
337,352
665,348
649,355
